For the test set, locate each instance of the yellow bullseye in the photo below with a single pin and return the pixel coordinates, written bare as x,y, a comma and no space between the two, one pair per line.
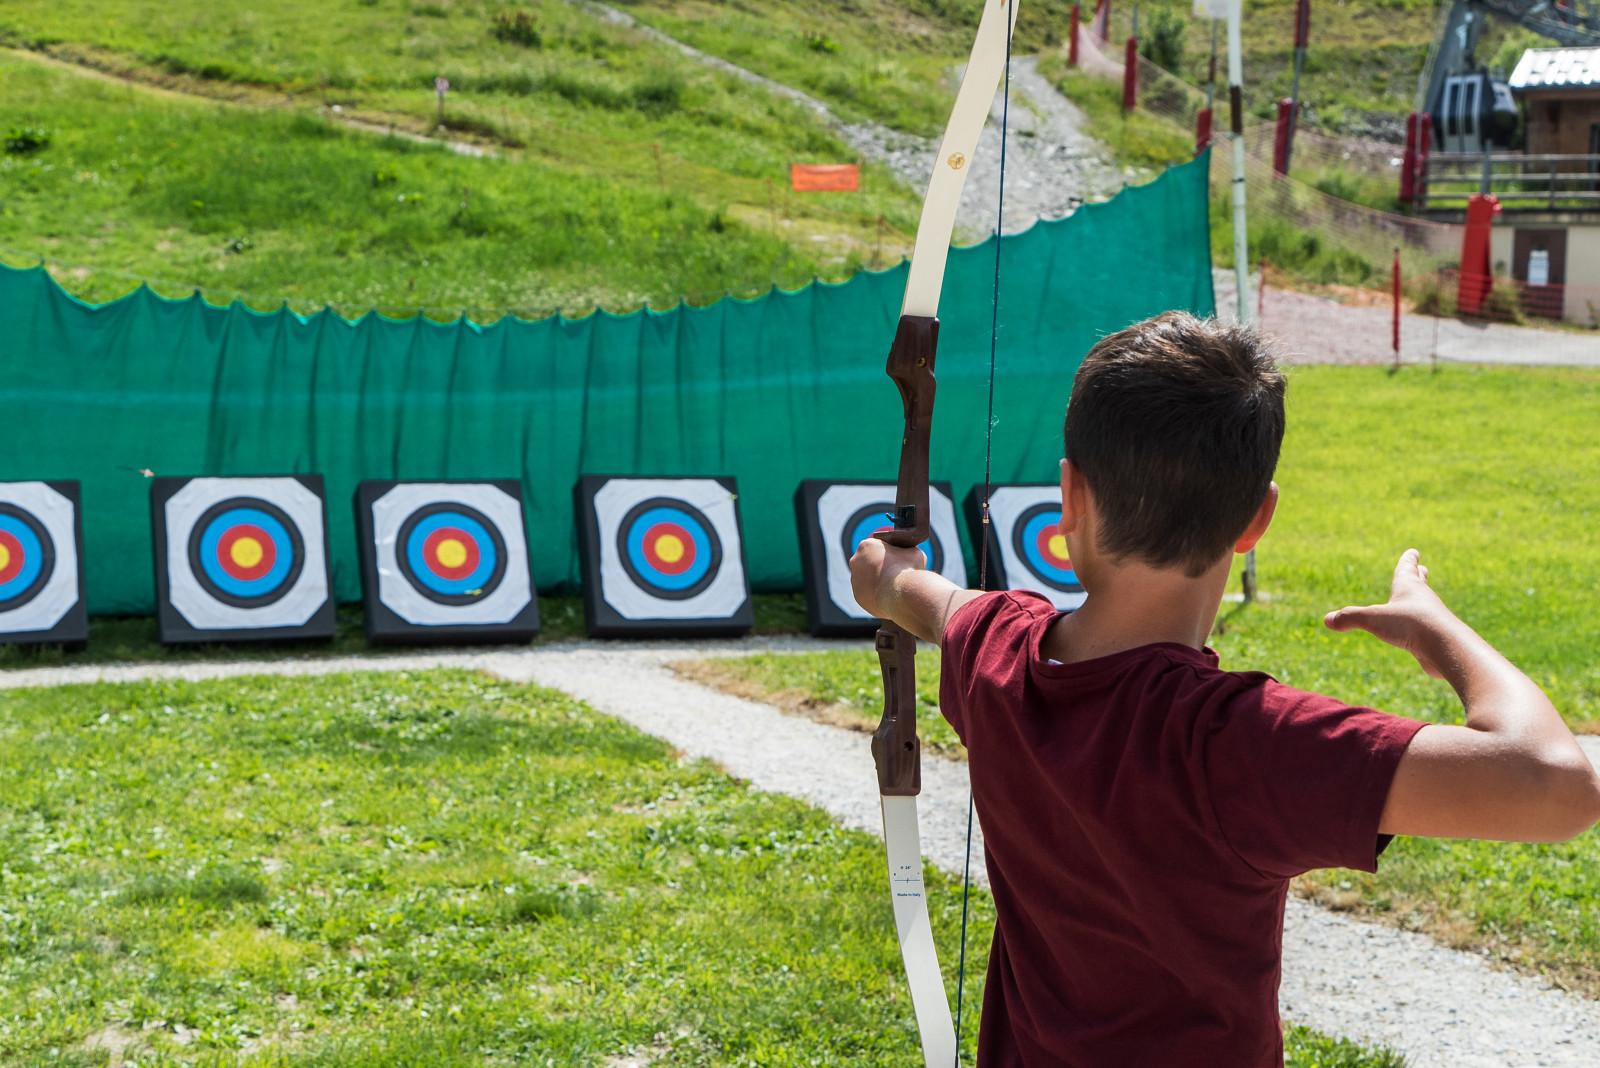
246,552
451,553
5,558
669,548
1058,546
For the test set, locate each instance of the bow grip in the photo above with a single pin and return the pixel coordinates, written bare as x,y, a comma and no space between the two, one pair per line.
896,749
910,366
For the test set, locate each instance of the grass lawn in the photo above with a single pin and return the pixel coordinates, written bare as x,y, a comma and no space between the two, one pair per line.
603,207
1490,473
428,869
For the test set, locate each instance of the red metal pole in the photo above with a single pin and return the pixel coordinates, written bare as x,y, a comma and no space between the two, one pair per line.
1072,38
1395,285
1280,137
1202,130
1424,146
1476,279
1130,75
1408,163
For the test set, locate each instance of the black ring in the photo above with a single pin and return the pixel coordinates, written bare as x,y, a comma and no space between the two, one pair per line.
643,581
47,554
297,552
403,556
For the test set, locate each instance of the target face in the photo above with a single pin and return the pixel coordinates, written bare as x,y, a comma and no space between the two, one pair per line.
41,569
669,547
1026,544
241,558
445,560
662,556
246,552
834,518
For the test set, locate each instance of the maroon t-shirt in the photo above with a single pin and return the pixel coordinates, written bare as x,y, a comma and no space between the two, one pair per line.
1143,814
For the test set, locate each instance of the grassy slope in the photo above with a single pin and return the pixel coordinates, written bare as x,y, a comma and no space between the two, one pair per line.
636,174
1489,473
427,869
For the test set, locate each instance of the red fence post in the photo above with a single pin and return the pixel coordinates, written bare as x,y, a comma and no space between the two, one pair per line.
1072,38
1419,185
1408,163
1202,130
1130,75
1395,286
1280,137
1476,278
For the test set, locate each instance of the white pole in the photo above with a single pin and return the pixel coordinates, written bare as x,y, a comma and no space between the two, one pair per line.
1241,236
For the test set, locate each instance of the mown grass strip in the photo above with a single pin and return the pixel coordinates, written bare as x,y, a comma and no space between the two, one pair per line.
432,868
1489,473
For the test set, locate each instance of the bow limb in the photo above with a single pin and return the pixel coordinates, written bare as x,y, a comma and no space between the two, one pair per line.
896,749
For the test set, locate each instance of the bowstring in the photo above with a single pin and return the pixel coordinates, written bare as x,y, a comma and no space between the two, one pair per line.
983,549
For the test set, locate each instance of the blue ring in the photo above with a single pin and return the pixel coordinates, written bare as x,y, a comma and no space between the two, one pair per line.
32,557
641,563
282,547
1039,562
416,543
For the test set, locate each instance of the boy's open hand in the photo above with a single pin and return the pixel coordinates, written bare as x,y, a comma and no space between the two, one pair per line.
873,569
1413,618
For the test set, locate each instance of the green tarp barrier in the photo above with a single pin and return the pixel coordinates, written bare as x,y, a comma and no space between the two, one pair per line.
771,390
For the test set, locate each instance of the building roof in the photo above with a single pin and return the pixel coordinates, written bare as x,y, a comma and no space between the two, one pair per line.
1557,68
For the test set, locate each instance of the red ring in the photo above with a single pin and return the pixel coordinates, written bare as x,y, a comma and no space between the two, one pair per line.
269,552
430,553
1043,545
14,552
655,534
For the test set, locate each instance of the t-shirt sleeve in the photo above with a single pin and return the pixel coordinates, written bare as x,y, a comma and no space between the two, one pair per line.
985,635
1298,780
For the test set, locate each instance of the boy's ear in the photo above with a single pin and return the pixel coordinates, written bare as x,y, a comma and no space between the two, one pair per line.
1074,498
1259,522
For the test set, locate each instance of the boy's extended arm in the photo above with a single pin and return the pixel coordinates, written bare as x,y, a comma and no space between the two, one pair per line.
1514,772
891,584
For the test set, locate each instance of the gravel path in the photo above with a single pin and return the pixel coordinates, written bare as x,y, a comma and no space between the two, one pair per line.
1374,984
1314,329
1052,166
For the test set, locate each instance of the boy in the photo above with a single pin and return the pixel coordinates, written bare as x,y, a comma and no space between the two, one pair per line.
1143,809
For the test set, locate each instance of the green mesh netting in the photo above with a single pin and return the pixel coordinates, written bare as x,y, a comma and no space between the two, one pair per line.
771,390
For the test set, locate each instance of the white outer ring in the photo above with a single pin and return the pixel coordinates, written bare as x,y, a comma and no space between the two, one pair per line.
55,513
1006,504
204,612
727,592
389,513
838,503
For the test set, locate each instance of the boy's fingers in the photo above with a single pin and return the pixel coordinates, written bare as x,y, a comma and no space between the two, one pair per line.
1351,618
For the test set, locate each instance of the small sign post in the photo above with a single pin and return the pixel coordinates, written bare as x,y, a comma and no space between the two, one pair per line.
441,86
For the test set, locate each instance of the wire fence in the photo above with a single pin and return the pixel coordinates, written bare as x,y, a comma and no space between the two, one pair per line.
1305,233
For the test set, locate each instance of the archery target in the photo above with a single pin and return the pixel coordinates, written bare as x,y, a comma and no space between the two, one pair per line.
663,556
41,563
834,518
1026,544
241,558
445,560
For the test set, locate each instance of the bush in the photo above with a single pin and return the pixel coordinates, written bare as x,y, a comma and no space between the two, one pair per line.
1503,305
821,42
659,93
26,140
516,27
1162,44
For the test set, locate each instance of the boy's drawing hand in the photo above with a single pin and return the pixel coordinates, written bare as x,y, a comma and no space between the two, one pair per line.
873,569
1413,618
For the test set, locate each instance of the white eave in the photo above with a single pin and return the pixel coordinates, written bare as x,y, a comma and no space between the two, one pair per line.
1557,68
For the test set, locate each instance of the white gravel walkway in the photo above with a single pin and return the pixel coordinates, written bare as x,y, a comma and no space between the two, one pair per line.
1440,1007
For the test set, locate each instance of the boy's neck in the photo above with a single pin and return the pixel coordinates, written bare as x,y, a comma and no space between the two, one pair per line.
1131,605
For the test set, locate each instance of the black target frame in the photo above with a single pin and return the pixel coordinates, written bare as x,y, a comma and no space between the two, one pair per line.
71,631
174,629
384,626
601,620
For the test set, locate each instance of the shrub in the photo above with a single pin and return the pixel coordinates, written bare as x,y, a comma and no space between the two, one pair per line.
821,42
516,27
1503,305
1162,43
26,140
659,93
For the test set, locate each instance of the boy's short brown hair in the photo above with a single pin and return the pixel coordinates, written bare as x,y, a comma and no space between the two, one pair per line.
1175,424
